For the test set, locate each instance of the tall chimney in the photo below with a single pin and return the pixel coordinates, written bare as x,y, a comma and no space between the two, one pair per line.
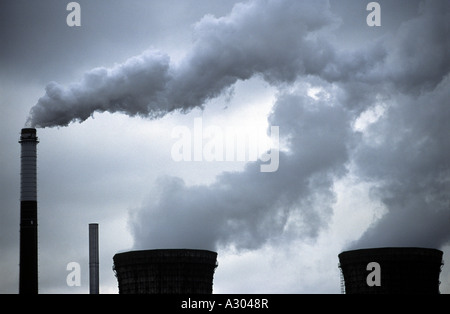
28,277
93,259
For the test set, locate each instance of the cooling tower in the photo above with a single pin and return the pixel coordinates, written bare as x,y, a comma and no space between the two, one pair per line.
174,271
28,276
398,270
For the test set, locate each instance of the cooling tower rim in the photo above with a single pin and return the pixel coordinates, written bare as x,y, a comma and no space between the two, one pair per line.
137,256
149,251
390,251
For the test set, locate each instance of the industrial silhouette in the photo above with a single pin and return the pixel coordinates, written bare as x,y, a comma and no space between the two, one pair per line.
401,270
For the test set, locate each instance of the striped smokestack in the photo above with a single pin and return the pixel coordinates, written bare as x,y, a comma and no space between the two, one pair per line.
28,277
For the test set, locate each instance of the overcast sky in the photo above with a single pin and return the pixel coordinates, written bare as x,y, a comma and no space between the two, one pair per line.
363,126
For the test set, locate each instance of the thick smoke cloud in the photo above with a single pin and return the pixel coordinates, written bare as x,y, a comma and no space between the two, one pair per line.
407,151
132,88
245,210
404,153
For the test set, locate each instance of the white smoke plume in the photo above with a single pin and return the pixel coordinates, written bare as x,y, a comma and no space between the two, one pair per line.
289,43
228,49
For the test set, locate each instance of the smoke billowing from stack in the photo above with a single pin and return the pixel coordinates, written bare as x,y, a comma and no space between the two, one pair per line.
170,271
291,43
28,281
151,85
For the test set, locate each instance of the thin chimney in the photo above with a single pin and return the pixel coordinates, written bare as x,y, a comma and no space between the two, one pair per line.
93,259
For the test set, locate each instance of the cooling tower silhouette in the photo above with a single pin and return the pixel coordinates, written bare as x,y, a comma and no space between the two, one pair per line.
400,270
174,271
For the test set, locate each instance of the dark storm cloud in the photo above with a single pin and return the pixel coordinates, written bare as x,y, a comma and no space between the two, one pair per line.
38,45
